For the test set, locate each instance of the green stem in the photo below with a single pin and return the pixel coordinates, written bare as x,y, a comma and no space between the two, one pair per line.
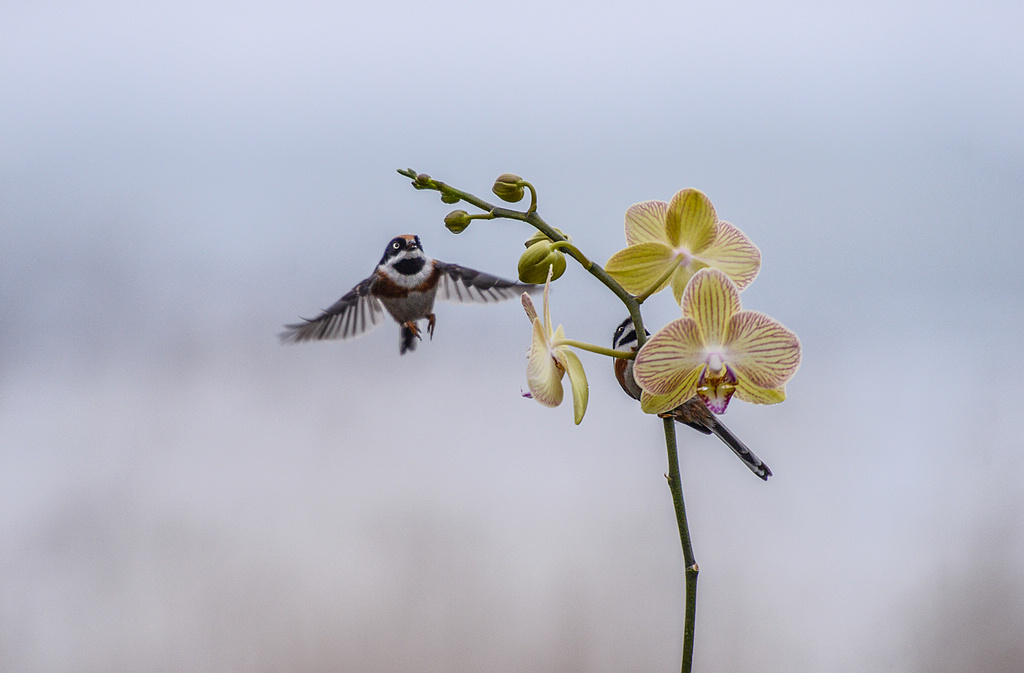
574,251
675,485
533,196
600,350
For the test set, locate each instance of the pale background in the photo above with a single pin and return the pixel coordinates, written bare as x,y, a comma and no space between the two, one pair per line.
180,493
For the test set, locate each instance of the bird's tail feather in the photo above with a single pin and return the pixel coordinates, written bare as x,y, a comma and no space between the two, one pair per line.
409,340
755,464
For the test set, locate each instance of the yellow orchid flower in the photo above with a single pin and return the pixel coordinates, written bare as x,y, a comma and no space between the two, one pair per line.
669,242
715,350
550,359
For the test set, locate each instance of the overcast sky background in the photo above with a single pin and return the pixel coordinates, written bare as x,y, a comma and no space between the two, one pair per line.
179,492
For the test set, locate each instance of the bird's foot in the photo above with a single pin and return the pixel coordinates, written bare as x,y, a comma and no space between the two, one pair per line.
430,325
413,327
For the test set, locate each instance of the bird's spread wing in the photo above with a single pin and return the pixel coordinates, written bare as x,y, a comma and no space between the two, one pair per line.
356,313
457,283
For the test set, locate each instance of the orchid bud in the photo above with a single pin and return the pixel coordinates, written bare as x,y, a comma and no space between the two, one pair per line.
508,187
457,221
534,263
540,236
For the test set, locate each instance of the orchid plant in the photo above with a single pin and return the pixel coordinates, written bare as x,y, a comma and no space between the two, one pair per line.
714,352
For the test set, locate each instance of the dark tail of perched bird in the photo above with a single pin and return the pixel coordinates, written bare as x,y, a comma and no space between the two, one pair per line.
696,414
748,457
693,412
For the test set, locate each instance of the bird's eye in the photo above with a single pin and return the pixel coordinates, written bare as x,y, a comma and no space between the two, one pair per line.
396,245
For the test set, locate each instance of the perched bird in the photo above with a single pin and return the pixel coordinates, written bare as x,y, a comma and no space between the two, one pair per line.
405,284
693,412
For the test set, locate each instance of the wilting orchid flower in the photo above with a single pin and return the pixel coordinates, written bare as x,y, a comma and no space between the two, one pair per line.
550,359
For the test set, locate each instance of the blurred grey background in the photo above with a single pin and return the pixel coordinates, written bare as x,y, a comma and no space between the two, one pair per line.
180,493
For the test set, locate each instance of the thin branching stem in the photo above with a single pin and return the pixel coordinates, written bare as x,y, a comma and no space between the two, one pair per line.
600,350
566,245
675,485
424,181
452,195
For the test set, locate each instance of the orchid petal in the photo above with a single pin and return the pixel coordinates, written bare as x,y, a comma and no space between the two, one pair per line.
669,358
711,299
681,278
645,223
637,267
733,253
657,404
543,375
690,221
748,392
547,305
761,350
531,311
577,380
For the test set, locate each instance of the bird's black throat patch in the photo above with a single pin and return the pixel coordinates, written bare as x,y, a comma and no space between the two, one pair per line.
409,266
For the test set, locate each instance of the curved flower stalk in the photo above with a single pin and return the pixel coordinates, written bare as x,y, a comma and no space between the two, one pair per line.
669,242
549,359
716,350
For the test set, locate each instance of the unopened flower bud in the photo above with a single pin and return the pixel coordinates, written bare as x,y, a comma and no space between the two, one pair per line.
508,187
457,221
534,263
449,198
539,236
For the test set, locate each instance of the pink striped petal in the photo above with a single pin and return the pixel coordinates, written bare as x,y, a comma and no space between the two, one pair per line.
711,299
645,223
733,253
761,350
637,267
671,359
748,392
690,221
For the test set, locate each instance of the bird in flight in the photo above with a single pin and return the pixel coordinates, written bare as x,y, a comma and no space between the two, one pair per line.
405,284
